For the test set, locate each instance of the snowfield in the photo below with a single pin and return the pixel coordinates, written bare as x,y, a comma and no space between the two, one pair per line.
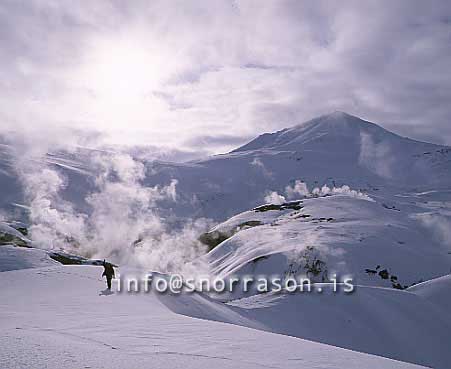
333,196
61,317
381,321
14,258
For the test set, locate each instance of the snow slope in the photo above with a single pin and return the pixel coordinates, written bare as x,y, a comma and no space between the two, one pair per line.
61,317
336,149
379,246
436,291
376,245
11,190
14,257
393,233
386,322
381,321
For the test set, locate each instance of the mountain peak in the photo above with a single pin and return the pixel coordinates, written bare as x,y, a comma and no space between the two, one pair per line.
340,123
337,118
338,114
335,126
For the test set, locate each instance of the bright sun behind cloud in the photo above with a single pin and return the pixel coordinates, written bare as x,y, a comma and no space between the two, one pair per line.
122,70
120,76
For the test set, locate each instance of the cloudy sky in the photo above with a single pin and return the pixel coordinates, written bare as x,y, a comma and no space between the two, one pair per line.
207,75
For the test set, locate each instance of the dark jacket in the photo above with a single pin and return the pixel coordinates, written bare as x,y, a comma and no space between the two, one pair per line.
108,270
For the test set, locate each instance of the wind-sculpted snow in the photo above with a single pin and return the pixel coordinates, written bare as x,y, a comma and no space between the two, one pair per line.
347,235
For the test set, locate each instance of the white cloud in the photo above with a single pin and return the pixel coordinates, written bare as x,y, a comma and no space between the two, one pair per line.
377,157
343,190
259,164
440,226
163,73
299,189
274,198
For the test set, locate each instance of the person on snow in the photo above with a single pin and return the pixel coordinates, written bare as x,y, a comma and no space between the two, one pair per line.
108,272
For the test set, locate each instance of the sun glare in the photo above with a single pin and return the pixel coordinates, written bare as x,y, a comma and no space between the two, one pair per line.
120,76
122,71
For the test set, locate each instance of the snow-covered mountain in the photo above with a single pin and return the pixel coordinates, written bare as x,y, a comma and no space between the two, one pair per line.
332,195
377,244
336,149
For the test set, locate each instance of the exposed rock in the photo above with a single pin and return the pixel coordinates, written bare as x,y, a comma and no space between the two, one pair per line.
214,238
309,264
294,205
9,239
384,274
